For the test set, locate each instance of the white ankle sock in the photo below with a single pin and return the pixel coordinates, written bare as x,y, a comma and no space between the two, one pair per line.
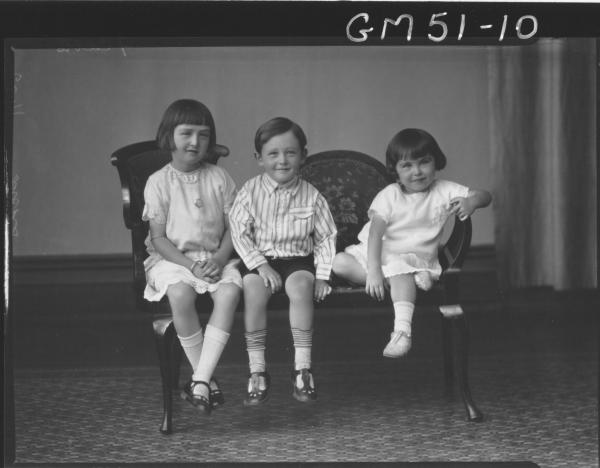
256,344
302,347
215,340
192,346
403,312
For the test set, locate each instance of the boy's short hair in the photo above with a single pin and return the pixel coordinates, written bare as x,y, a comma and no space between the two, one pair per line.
184,111
413,143
278,126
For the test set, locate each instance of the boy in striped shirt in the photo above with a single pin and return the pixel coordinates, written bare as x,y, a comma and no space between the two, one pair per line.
284,233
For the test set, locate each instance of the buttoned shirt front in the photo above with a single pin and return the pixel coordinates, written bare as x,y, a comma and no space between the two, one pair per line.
268,220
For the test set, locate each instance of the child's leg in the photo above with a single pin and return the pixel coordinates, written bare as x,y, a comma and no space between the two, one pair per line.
345,266
225,301
256,296
299,287
403,292
182,299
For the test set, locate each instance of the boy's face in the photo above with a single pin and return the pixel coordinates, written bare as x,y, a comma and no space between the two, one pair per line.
416,175
191,145
281,157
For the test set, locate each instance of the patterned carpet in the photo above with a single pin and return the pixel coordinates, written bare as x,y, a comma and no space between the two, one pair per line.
88,390
542,409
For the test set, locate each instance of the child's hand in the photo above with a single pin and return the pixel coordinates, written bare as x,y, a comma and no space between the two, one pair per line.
271,277
462,207
198,272
375,284
211,268
322,290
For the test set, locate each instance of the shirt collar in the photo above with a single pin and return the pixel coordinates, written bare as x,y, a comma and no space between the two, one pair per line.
270,185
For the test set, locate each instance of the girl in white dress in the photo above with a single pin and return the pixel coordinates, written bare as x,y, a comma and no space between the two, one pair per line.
398,247
189,244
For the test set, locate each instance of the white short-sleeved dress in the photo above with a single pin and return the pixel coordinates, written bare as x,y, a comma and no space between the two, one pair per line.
194,207
415,223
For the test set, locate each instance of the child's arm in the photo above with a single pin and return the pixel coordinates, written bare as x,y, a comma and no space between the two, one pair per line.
241,225
375,283
464,207
325,233
158,237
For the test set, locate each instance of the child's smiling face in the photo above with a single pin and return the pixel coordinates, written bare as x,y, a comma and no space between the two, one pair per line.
191,146
281,157
416,175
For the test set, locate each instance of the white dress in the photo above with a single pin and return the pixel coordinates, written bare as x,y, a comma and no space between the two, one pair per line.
415,223
194,207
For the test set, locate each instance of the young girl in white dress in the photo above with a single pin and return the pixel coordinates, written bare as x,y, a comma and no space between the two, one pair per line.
186,204
398,247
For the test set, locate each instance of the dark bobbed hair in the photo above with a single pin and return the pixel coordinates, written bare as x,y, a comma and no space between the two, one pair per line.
184,111
278,126
412,143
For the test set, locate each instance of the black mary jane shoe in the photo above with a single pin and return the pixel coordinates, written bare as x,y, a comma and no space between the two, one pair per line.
307,393
216,395
197,401
256,396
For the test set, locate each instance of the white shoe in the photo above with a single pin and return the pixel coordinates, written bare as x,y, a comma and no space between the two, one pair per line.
399,345
423,280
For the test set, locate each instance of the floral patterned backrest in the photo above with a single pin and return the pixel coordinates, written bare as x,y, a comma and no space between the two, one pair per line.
349,180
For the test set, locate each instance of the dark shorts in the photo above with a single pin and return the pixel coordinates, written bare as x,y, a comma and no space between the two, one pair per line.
285,266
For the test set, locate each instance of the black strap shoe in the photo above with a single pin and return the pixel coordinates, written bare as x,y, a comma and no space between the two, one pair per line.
256,396
308,392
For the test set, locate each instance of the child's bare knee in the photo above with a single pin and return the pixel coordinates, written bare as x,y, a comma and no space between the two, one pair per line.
181,297
339,263
300,285
230,291
256,294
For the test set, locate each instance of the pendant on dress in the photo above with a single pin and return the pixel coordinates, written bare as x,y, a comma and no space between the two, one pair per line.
198,203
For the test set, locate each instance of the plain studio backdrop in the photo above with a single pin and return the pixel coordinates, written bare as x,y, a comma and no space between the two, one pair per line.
518,121
74,107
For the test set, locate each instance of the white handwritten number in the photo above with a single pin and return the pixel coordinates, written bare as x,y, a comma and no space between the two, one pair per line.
505,18
364,32
434,22
462,27
533,30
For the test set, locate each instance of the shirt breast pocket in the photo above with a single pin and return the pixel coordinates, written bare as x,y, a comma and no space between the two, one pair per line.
302,219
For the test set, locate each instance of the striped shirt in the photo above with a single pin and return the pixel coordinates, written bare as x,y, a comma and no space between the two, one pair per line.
294,220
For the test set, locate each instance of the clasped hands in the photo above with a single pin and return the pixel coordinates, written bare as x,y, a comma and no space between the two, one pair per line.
274,282
209,270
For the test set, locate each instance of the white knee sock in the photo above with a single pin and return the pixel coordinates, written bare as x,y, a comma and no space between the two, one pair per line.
256,344
214,344
192,346
303,348
403,312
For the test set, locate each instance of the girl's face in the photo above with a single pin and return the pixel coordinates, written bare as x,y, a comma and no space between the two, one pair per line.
191,146
281,157
416,175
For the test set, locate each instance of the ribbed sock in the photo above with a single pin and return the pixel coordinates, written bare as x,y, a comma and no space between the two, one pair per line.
256,344
192,346
215,340
303,348
403,312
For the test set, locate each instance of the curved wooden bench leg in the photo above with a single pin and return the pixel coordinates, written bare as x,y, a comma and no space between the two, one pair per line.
456,317
447,345
164,334
176,355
